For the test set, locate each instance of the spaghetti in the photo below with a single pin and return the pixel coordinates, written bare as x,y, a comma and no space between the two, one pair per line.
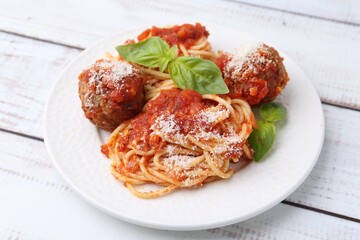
181,139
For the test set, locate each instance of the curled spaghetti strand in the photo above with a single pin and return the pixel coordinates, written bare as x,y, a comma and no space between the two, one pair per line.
184,161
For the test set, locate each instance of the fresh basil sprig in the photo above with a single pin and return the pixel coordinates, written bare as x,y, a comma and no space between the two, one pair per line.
197,74
262,138
153,52
193,73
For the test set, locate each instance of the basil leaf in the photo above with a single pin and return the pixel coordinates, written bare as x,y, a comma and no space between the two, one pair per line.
272,112
197,74
153,52
163,64
262,139
172,53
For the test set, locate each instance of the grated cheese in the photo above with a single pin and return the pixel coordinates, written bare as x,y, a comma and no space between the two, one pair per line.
178,161
245,59
105,71
212,116
165,125
191,175
221,144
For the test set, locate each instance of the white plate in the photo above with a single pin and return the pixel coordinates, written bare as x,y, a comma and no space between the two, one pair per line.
74,146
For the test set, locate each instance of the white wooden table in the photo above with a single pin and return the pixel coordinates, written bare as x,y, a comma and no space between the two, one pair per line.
38,38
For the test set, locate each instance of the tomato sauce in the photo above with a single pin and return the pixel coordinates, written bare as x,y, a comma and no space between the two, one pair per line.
183,105
248,86
258,76
186,34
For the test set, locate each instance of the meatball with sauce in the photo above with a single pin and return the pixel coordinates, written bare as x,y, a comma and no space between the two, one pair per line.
111,92
255,73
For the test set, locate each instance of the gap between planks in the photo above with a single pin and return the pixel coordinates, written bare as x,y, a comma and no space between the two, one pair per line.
41,40
321,211
22,135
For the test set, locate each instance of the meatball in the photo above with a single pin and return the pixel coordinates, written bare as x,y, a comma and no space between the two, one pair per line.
111,92
255,73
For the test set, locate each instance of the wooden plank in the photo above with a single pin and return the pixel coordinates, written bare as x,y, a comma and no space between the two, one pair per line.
43,20
33,195
333,185
342,11
324,49
29,68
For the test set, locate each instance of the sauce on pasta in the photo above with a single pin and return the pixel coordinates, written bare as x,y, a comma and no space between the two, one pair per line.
181,139
186,34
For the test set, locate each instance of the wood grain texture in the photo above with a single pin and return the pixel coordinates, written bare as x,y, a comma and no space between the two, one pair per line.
36,202
324,49
333,185
346,12
28,70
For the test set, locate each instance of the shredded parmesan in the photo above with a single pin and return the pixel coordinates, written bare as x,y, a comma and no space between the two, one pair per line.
178,161
165,125
168,128
191,175
220,144
212,116
179,165
223,143
170,149
245,59
105,71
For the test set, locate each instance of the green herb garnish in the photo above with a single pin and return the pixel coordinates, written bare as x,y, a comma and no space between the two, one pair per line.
193,73
262,138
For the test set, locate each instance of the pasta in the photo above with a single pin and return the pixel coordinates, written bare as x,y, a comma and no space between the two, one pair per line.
181,139
180,157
